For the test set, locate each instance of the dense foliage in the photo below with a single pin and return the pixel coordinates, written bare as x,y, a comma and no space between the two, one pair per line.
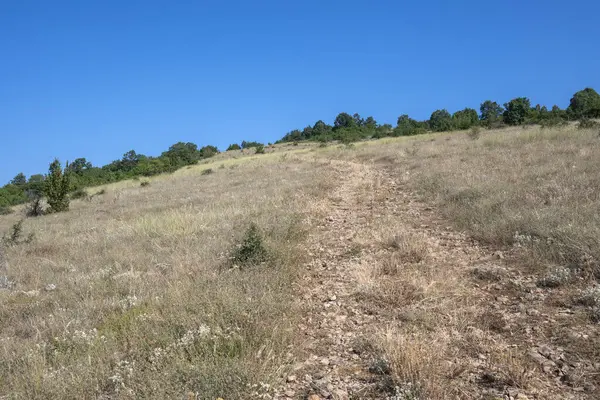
518,111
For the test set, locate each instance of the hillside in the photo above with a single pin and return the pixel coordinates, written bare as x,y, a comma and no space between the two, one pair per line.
436,266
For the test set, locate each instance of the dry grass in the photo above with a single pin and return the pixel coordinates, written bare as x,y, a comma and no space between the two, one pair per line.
144,305
532,193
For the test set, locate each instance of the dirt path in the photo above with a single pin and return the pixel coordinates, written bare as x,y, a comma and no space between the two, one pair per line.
340,320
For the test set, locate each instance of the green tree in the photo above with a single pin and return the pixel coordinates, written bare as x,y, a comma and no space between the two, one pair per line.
440,121
465,119
80,165
491,112
19,179
320,128
57,187
233,146
517,111
407,126
208,151
247,145
358,121
557,113
182,154
344,120
370,122
584,104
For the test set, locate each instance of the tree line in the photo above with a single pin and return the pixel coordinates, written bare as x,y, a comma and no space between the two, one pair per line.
585,104
82,173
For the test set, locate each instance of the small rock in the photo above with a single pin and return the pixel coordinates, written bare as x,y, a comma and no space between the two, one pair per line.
532,312
290,393
50,287
291,378
333,297
325,361
313,397
499,255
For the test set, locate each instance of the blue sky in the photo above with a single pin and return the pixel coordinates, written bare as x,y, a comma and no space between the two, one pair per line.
95,79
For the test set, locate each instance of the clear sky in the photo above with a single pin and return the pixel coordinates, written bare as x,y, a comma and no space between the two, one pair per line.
95,79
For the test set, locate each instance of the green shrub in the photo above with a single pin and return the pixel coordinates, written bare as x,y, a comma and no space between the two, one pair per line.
100,192
207,171
56,187
15,235
79,194
251,250
5,210
260,149
144,183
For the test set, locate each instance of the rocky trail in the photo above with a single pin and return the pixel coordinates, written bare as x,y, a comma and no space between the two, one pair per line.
339,322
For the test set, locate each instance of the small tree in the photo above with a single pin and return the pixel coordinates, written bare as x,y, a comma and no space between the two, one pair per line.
584,104
491,112
234,146
465,119
56,187
19,179
440,121
517,111
344,120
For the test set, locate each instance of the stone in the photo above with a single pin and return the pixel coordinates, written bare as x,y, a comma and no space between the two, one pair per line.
50,287
290,393
313,397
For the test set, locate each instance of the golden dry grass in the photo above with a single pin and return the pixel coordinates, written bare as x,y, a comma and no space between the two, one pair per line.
145,305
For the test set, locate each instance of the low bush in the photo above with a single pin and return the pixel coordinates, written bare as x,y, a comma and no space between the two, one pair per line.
79,194
144,183
251,250
15,236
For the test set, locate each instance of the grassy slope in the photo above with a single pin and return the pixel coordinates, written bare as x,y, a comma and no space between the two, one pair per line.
143,305
144,301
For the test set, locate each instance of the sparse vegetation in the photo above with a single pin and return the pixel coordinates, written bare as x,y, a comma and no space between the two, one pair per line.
15,236
145,308
207,171
144,183
474,133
